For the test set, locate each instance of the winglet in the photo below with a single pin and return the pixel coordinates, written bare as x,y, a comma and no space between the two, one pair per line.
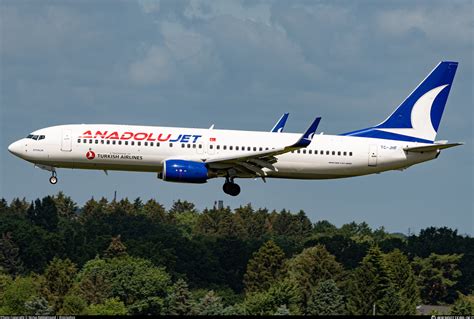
278,128
306,138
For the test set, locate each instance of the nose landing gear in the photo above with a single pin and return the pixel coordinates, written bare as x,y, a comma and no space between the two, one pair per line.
230,187
53,179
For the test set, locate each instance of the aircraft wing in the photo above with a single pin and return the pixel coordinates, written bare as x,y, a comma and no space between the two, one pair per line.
254,162
278,128
429,148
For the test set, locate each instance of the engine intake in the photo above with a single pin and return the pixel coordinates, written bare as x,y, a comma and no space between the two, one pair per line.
182,171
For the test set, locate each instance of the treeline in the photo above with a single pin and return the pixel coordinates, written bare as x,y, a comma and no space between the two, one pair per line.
124,257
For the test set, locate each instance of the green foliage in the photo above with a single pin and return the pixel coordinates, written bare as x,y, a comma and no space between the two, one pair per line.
10,261
136,282
110,307
403,282
264,267
59,277
210,305
437,276
369,284
73,305
267,302
462,307
38,306
116,248
179,301
18,293
326,299
311,266
220,250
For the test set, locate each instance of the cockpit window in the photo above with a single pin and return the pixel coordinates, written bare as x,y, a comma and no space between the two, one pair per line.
36,137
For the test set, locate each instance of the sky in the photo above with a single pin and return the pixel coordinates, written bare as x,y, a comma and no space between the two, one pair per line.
240,65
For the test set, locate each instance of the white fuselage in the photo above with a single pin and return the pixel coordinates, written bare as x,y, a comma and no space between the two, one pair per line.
109,147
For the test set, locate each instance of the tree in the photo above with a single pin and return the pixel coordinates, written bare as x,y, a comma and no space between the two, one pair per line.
369,283
73,304
19,292
311,266
326,299
10,260
116,248
65,205
59,277
38,306
210,305
44,213
284,292
403,280
182,207
136,282
179,301
264,267
437,276
110,307
462,307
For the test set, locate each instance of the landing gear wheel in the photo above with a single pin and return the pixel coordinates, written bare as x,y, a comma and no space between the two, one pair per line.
231,188
53,179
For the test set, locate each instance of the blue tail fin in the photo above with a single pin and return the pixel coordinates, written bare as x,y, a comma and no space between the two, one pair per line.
417,118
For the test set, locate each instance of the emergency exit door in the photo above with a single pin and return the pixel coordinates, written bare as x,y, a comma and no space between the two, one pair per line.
66,141
373,155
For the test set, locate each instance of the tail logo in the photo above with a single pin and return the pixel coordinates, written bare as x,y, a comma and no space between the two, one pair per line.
422,127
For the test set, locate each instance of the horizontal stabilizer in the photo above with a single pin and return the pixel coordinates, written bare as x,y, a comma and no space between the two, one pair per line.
429,148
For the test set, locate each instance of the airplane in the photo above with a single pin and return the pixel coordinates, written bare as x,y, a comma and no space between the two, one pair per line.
195,155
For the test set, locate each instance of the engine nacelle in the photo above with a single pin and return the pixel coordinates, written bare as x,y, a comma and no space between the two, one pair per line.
184,172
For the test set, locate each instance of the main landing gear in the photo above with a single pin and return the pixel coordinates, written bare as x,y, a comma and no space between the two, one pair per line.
53,179
230,187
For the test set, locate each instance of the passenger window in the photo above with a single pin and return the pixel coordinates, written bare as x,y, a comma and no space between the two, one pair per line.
231,148
108,142
298,151
90,141
260,149
139,143
96,141
248,148
182,145
254,149
84,141
310,152
345,153
211,146
151,143
266,148
145,143
79,140
157,144
333,153
315,152
126,142
171,144
218,147
200,145
113,142
327,152
194,145
189,145
132,143
119,142
350,153
225,147
236,148
304,151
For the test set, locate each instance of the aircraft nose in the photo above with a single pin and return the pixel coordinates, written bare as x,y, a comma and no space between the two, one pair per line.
15,148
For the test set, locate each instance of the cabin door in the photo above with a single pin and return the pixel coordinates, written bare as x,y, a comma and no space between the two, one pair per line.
66,141
373,155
